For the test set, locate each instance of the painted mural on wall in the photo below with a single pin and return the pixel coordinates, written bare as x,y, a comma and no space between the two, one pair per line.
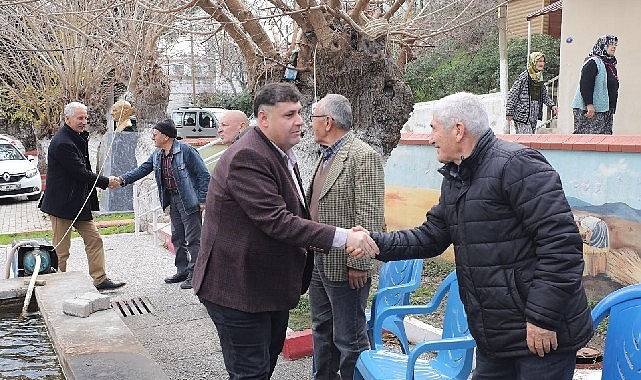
602,189
611,242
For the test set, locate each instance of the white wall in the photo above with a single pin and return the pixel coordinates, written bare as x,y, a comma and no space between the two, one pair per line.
421,117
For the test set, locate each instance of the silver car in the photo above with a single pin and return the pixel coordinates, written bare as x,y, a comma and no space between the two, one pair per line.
18,175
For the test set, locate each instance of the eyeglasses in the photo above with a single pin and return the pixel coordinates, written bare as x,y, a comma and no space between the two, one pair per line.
311,117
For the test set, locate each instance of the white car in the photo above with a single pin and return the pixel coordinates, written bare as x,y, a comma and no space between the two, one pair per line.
13,141
18,175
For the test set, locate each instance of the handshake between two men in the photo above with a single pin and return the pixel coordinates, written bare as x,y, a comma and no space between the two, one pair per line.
114,182
360,245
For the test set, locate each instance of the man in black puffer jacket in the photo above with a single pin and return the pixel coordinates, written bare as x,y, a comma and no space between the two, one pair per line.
518,252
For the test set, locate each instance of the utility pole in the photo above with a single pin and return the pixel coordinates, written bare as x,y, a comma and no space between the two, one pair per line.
193,72
503,74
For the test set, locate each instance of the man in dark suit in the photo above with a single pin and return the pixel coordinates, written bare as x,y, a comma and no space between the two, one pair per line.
70,182
348,189
252,265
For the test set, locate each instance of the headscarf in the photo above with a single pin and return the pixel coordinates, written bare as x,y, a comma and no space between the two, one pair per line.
600,49
536,77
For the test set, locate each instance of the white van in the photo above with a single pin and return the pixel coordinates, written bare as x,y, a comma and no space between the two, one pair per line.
194,122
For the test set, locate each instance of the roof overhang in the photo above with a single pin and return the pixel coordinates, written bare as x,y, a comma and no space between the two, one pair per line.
554,7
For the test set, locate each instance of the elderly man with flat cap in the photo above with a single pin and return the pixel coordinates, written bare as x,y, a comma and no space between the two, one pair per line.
182,179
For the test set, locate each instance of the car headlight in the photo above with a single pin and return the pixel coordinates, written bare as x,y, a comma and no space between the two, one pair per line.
30,173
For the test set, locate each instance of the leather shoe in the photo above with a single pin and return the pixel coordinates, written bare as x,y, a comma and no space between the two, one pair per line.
187,283
178,277
108,284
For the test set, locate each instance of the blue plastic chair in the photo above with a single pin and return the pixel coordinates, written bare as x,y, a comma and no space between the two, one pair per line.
454,351
622,356
396,281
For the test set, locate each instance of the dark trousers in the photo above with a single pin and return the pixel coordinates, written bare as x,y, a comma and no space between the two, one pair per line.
251,342
339,329
185,234
553,366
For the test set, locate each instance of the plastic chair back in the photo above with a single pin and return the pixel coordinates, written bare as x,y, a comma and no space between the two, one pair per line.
396,281
454,351
622,356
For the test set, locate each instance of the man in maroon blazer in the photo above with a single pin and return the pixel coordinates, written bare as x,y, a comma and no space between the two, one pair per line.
253,262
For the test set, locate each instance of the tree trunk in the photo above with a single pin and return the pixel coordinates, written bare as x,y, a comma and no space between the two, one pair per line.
361,70
151,99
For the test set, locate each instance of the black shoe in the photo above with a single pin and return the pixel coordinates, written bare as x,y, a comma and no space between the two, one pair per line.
178,277
108,284
187,283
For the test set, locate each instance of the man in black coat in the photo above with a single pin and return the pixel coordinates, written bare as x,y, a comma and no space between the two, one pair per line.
71,194
518,252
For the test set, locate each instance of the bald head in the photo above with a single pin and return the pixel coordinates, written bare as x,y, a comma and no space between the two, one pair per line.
231,124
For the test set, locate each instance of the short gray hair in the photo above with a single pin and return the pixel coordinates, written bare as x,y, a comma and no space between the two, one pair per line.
465,108
70,109
338,108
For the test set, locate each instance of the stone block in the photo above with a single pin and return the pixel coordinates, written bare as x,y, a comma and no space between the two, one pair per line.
77,307
98,301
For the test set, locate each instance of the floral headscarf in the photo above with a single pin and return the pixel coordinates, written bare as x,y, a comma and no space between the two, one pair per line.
600,49
537,76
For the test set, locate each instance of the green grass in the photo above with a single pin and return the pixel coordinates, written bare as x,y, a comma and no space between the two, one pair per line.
8,239
299,318
210,151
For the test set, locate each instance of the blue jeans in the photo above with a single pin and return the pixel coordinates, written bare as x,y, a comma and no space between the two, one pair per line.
251,342
339,329
553,366
185,234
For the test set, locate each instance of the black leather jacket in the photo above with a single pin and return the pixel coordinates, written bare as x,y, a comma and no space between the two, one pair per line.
517,248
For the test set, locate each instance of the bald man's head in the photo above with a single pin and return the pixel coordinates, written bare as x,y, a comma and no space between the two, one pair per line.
232,124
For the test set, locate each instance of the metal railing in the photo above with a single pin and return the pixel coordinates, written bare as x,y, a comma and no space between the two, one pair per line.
151,189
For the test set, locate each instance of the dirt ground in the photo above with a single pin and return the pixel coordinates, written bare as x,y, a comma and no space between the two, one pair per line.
597,287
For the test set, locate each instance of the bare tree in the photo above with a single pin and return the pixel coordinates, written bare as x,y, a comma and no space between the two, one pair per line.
357,48
53,52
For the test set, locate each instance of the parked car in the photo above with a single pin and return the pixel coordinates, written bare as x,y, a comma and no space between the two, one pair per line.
18,175
197,121
13,141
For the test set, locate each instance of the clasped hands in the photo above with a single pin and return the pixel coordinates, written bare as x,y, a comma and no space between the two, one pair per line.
114,182
360,245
